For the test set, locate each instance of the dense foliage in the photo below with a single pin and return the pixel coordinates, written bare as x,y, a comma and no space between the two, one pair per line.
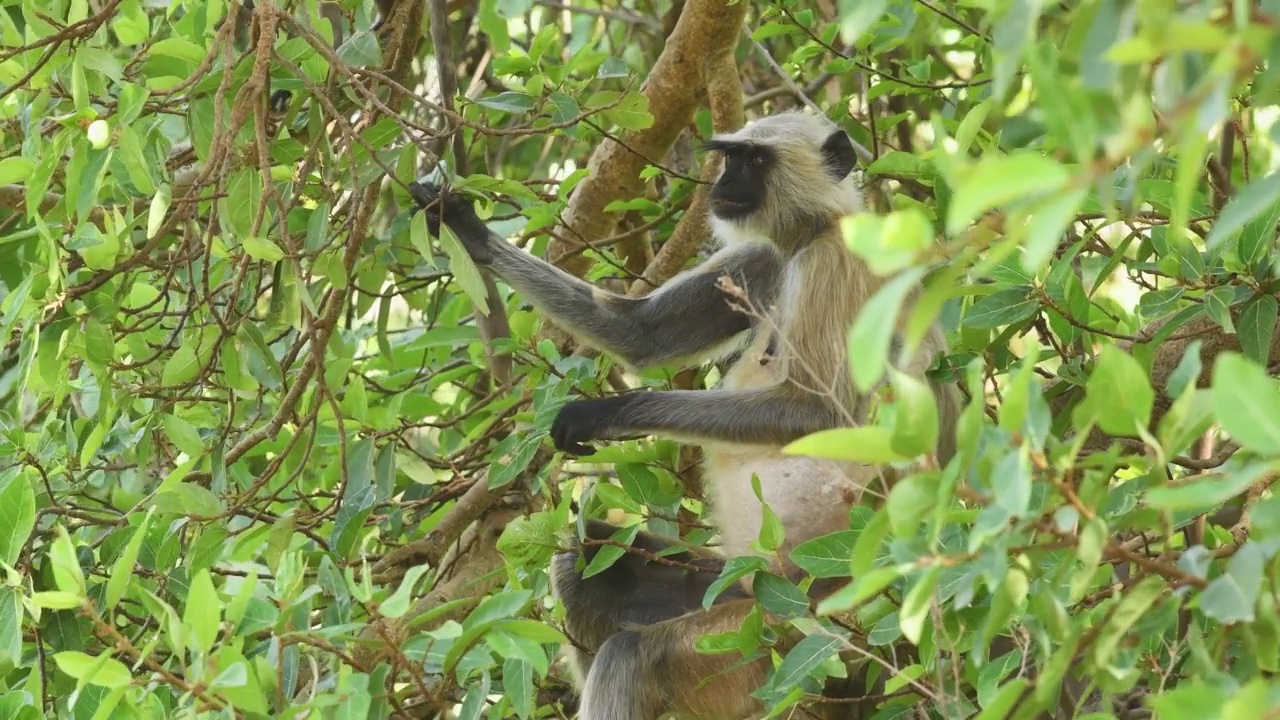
261,453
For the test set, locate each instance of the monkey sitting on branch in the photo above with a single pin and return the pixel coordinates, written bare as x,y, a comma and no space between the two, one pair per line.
775,207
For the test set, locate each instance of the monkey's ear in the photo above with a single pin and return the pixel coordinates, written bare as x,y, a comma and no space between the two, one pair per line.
838,154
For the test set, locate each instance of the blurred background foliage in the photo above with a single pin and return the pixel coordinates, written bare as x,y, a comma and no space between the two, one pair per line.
268,449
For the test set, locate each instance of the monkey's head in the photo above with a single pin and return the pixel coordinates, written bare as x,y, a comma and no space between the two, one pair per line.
782,173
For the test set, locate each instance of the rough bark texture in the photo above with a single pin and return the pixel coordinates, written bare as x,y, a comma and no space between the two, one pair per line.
707,32
724,96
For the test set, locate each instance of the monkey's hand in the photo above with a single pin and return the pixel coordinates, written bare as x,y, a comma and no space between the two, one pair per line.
457,212
581,421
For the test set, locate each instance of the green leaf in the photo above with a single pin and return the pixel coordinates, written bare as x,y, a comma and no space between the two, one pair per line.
808,655
11,622
1007,307
182,367
244,195
1046,223
872,333
999,180
826,555
1257,328
909,501
915,606
1251,201
1011,481
1118,395
135,163
464,270
534,630
491,610
493,25
863,587
67,573
869,541
398,602
183,435
1206,491
1133,604
180,48
888,243
869,443
1005,700
185,498
646,487
1193,699
566,109
122,571
735,568
606,555
57,600
512,645
1157,302
779,596
203,612
1256,239
1007,598
512,102
631,114
361,50
517,681
1247,403
14,170
103,670
498,606
915,417
17,514
857,16
898,163
771,534
260,248
1230,597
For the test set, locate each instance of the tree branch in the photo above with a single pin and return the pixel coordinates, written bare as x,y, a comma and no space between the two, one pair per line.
707,31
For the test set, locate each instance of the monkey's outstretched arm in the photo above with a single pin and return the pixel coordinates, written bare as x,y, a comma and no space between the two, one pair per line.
772,416
686,318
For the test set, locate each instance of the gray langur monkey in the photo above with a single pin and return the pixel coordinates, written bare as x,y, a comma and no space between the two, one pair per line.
785,184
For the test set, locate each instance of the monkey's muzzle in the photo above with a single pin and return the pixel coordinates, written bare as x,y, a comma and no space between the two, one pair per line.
726,207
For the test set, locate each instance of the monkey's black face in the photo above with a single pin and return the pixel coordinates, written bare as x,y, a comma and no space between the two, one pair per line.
741,188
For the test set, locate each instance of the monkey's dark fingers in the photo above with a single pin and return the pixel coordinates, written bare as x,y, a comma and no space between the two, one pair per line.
423,194
577,449
569,433
566,440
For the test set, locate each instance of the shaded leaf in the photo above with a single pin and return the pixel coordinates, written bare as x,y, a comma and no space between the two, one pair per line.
1248,203
1247,403
1230,598
1000,179
1005,307
17,514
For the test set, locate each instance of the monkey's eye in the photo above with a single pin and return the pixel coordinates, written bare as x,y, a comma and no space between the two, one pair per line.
756,159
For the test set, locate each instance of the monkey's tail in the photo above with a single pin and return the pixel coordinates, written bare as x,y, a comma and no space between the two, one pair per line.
615,688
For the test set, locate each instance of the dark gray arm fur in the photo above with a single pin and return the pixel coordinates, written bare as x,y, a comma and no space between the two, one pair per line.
686,318
773,416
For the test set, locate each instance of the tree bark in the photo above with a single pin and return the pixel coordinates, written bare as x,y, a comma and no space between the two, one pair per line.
707,33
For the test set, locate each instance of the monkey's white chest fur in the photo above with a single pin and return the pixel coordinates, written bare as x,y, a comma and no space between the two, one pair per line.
811,496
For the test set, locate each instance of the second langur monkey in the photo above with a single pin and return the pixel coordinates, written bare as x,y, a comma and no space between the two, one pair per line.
786,183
